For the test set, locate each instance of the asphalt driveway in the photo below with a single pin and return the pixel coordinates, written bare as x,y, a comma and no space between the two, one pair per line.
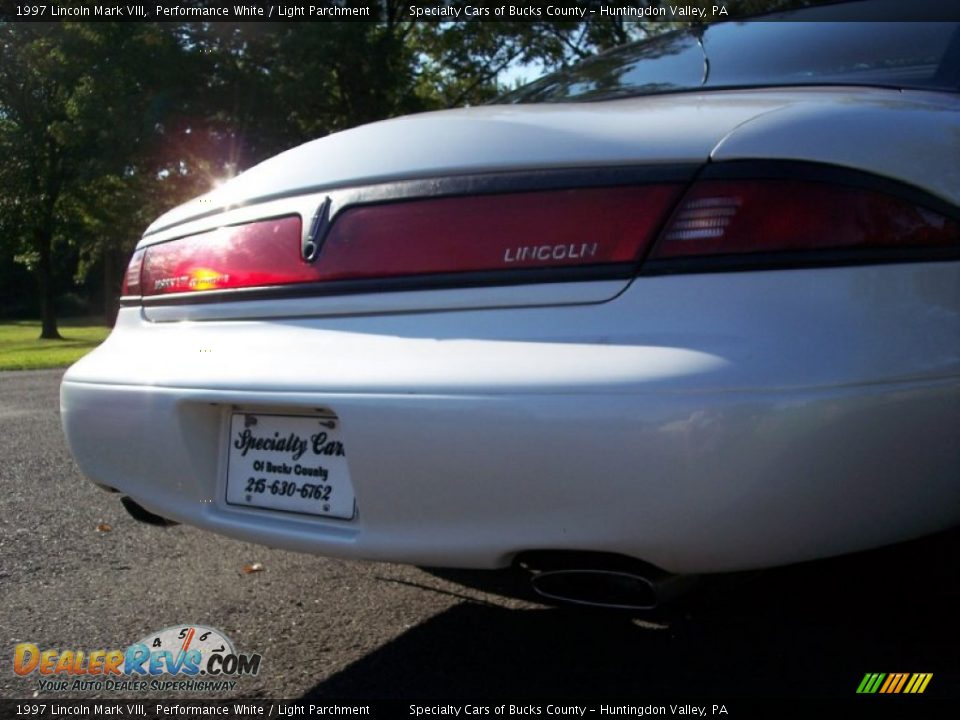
77,572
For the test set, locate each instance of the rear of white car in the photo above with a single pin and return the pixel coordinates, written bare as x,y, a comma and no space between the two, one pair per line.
708,330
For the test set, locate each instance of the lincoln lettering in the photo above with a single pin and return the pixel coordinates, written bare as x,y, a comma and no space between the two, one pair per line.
545,253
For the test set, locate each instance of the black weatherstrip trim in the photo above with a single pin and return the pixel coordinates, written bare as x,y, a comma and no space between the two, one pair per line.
470,184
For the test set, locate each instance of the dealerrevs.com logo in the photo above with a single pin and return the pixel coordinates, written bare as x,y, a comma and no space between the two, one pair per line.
190,658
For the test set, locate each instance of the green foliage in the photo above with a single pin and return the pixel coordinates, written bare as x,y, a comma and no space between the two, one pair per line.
21,350
75,104
104,126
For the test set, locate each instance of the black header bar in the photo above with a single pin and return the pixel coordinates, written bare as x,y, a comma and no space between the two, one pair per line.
872,707
693,11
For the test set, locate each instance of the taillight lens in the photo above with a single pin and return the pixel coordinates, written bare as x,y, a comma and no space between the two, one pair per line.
251,255
762,216
131,278
595,226
588,228
585,227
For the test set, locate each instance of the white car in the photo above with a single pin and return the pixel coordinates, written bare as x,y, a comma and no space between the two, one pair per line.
692,306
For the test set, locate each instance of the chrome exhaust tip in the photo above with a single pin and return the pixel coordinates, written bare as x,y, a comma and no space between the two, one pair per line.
608,589
141,514
604,582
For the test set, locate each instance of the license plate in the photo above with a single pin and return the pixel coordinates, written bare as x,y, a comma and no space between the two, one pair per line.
294,463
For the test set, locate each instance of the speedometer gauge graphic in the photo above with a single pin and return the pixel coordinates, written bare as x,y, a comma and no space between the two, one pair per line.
178,640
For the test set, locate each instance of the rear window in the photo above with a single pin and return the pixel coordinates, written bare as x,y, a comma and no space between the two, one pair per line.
922,55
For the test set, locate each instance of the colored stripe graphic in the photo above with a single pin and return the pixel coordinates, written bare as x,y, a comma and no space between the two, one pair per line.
871,683
894,683
921,682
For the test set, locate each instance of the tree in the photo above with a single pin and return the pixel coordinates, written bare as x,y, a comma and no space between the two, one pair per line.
75,107
103,126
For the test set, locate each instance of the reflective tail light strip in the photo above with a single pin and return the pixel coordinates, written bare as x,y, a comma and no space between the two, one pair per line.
253,255
599,227
131,278
453,235
596,226
718,217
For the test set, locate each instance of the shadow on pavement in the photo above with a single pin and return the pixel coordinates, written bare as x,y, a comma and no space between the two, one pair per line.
810,630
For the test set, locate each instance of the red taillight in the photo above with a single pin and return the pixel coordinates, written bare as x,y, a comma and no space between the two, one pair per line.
594,229
718,217
552,229
596,226
131,278
256,254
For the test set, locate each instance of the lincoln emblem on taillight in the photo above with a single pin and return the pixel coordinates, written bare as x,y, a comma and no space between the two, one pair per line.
319,226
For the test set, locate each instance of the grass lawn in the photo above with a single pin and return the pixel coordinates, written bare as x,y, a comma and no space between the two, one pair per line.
21,350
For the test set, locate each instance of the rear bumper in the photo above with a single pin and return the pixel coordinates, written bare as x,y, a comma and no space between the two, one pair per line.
765,437
691,484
